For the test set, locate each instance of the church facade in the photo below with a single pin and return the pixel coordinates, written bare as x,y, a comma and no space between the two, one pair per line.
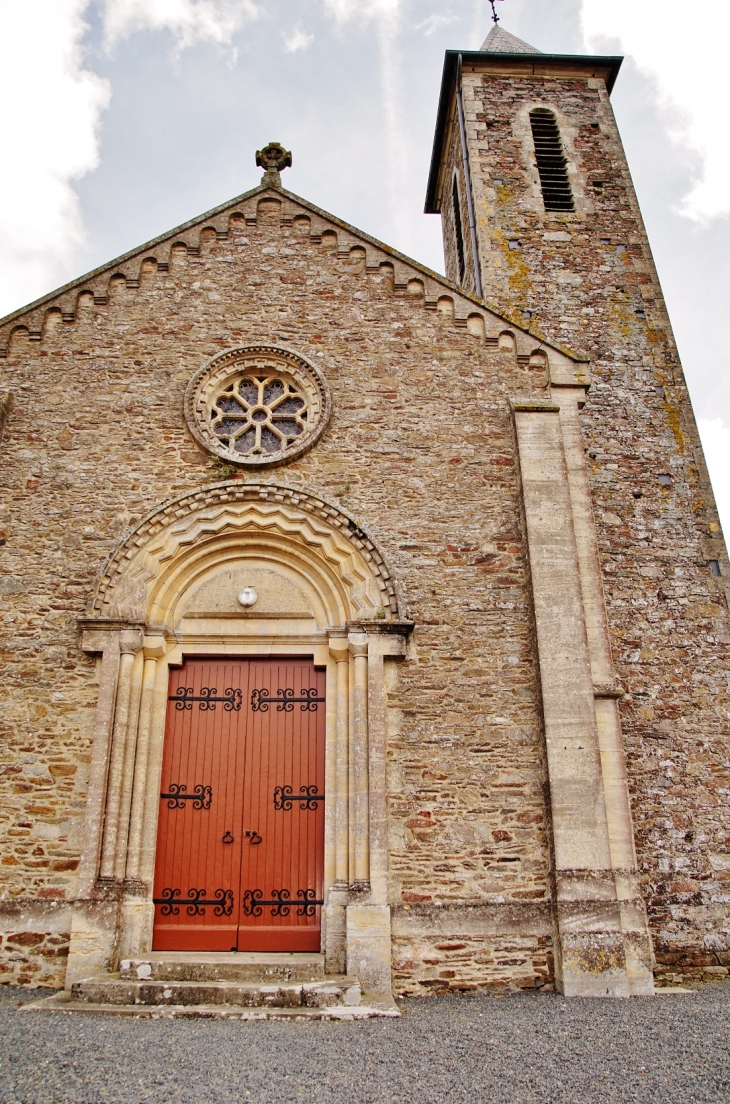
355,611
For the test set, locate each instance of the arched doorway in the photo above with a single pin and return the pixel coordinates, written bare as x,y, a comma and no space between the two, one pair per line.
239,584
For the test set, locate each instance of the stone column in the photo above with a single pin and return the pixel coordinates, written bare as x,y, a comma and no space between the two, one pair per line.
151,808
153,650
137,909
360,828
129,645
338,797
96,914
368,914
589,946
130,751
108,644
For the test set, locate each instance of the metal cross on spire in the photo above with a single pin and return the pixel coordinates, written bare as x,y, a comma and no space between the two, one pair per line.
495,17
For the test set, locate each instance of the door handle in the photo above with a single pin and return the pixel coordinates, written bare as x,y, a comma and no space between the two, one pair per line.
254,838
228,838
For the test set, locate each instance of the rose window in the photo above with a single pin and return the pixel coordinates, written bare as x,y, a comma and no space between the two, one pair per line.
257,406
259,415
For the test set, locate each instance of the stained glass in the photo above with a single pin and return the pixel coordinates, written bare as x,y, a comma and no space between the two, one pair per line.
290,405
229,406
246,441
226,428
269,441
261,421
273,391
291,429
249,390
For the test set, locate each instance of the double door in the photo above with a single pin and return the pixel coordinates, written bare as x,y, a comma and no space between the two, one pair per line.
240,845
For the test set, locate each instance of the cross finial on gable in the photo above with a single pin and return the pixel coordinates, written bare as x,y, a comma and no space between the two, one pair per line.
273,158
495,17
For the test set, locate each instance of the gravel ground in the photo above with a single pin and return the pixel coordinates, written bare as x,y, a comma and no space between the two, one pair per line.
476,1048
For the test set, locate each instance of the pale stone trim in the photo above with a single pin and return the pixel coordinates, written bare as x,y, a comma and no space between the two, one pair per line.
134,844
242,360
602,941
634,923
119,746
107,640
360,828
340,653
218,497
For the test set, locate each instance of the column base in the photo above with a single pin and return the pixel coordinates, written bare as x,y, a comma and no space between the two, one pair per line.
335,929
136,923
93,946
369,946
602,940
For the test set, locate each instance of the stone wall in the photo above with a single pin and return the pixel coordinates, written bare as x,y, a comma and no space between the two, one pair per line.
588,279
419,449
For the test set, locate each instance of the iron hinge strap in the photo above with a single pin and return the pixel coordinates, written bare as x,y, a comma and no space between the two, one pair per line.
184,697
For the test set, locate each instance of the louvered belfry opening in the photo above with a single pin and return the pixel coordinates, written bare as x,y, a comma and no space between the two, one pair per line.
458,231
551,163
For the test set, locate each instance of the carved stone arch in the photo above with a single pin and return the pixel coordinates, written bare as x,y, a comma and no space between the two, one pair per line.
131,575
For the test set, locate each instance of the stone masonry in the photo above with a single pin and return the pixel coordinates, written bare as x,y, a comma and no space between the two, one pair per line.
421,451
420,447
588,278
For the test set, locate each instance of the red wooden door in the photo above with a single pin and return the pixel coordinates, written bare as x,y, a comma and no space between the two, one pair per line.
240,850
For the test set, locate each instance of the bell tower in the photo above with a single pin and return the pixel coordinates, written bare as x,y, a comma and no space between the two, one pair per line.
541,220
528,161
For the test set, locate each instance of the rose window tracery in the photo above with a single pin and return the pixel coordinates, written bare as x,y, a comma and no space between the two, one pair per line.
257,406
259,415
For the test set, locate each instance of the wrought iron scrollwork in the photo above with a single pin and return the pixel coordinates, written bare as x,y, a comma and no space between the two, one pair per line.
307,797
184,698
201,797
285,700
281,903
251,899
171,900
309,902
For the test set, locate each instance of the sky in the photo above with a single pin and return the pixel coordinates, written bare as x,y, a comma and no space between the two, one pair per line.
124,118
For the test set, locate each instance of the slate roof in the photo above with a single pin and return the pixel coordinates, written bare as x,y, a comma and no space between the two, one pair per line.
499,41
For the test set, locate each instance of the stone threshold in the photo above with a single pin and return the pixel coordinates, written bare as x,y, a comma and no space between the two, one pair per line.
61,1003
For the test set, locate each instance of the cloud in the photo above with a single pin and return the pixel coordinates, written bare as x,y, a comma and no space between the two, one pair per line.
386,17
190,21
49,132
715,437
685,57
428,26
297,40
343,11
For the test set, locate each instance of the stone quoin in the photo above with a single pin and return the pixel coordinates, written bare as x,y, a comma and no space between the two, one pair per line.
476,506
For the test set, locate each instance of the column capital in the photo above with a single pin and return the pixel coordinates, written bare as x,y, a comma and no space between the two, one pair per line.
97,633
381,627
338,645
130,641
154,647
358,643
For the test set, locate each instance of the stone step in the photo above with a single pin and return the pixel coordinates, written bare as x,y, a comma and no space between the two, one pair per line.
210,966
375,1005
111,989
